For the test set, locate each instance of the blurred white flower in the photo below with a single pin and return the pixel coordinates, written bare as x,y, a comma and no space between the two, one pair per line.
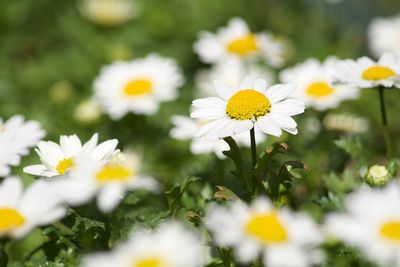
239,109
57,159
16,137
378,175
237,41
231,72
371,223
107,12
170,245
109,180
384,35
87,111
186,128
366,73
21,211
314,84
137,86
346,123
284,238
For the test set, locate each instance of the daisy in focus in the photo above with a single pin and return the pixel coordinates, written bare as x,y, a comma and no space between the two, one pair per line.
109,180
231,72
251,104
58,159
16,137
384,35
366,73
171,244
186,128
237,41
107,12
137,86
314,84
283,238
371,223
21,211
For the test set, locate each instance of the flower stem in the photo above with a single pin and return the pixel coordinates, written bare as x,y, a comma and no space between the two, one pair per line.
253,157
385,126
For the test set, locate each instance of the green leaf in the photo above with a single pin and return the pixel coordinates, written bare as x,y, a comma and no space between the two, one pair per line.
224,193
236,156
353,147
269,153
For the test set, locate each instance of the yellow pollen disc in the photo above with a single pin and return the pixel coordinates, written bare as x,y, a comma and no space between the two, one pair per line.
10,219
64,165
148,262
244,45
113,172
391,230
376,73
319,89
267,228
247,104
138,87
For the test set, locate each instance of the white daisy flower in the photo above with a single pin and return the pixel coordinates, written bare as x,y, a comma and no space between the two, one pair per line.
372,223
16,137
283,238
107,12
237,41
366,73
171,245
237,110
20,211
231,72
57,159
186,128
109,180
384,35
314,84
137,86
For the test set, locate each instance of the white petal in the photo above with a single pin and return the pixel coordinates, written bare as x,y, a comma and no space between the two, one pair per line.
222,90
247,83
269,126
109,197
278,92
260,85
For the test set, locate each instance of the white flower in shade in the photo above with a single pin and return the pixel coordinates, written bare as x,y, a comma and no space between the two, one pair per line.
366,73
16,137
237,41
346,122
372,223
231,72
170,245
21,211
87,112
384,35
57,159
186,128
107,12
108,179
239,109
314,84
137,86
282,237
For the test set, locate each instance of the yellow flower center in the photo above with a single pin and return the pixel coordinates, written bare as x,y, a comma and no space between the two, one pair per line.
376,73
319,89
10,219
138,87
247,104
244,45
267,228
391,230
64,165
113,172
148,262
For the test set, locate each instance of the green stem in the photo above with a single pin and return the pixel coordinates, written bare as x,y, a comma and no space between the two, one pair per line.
385,124
3,254
253,158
